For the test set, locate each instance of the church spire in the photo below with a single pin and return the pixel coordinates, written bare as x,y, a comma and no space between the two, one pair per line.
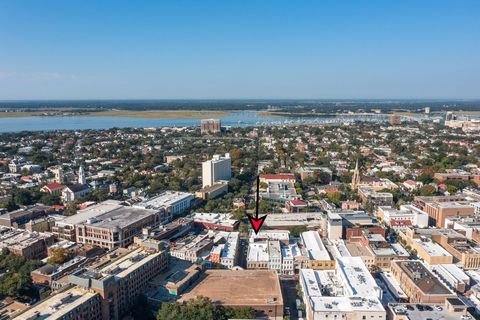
81,176
356,177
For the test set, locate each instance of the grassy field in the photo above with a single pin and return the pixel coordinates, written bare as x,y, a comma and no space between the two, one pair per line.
18,114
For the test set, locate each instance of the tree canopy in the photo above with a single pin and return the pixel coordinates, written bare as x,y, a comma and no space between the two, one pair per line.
202,308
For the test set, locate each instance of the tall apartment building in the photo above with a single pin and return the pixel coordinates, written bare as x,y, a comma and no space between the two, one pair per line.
459,176
121,276
18,218
73,304
169,204
219,168
211,125
31,245
439,211
107,225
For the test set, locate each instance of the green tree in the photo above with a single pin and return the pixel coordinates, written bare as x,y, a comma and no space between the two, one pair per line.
15,280
8,204
297,230
239,214
58,255
427,190
70,209
451,188
335,197
49,199
202,308
141,309
22,197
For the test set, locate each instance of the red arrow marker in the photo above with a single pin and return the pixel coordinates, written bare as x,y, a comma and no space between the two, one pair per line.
256,222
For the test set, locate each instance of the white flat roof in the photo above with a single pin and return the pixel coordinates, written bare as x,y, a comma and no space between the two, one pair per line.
346,304
258,251
455,271
433,249
230,247
58,305
92,211
222,219
399,250
282,235
356,277
338,249
339,297
165,199
393,285
314,246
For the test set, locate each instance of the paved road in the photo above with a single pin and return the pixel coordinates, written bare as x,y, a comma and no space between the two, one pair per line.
289,293
242,256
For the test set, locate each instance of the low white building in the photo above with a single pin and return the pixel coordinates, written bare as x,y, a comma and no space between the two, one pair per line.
453,276
171,202
407,216
288,261
349,292
274,256
228,257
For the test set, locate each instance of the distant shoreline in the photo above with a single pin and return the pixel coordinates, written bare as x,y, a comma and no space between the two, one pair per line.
191,114
157,114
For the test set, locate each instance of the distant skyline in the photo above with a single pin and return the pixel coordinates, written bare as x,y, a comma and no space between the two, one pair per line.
70,50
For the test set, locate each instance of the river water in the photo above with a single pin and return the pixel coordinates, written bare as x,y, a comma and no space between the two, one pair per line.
236,119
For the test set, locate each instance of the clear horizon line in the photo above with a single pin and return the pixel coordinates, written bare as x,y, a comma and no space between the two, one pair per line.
241,99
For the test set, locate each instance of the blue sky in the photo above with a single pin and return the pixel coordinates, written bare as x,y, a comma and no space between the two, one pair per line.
239,49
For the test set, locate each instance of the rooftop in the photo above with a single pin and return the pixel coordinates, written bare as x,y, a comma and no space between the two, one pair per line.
280,191
314,246
258,251
230,247
448,205
349,289
420,312
119,217
356,277
119,263
222,219
356,249
56,306
309,219
468,247
433,249
165,199
281,176
93,211
422,277
229,288
17,239
282,235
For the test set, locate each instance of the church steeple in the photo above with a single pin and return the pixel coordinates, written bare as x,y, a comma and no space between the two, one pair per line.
81,176
356,177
